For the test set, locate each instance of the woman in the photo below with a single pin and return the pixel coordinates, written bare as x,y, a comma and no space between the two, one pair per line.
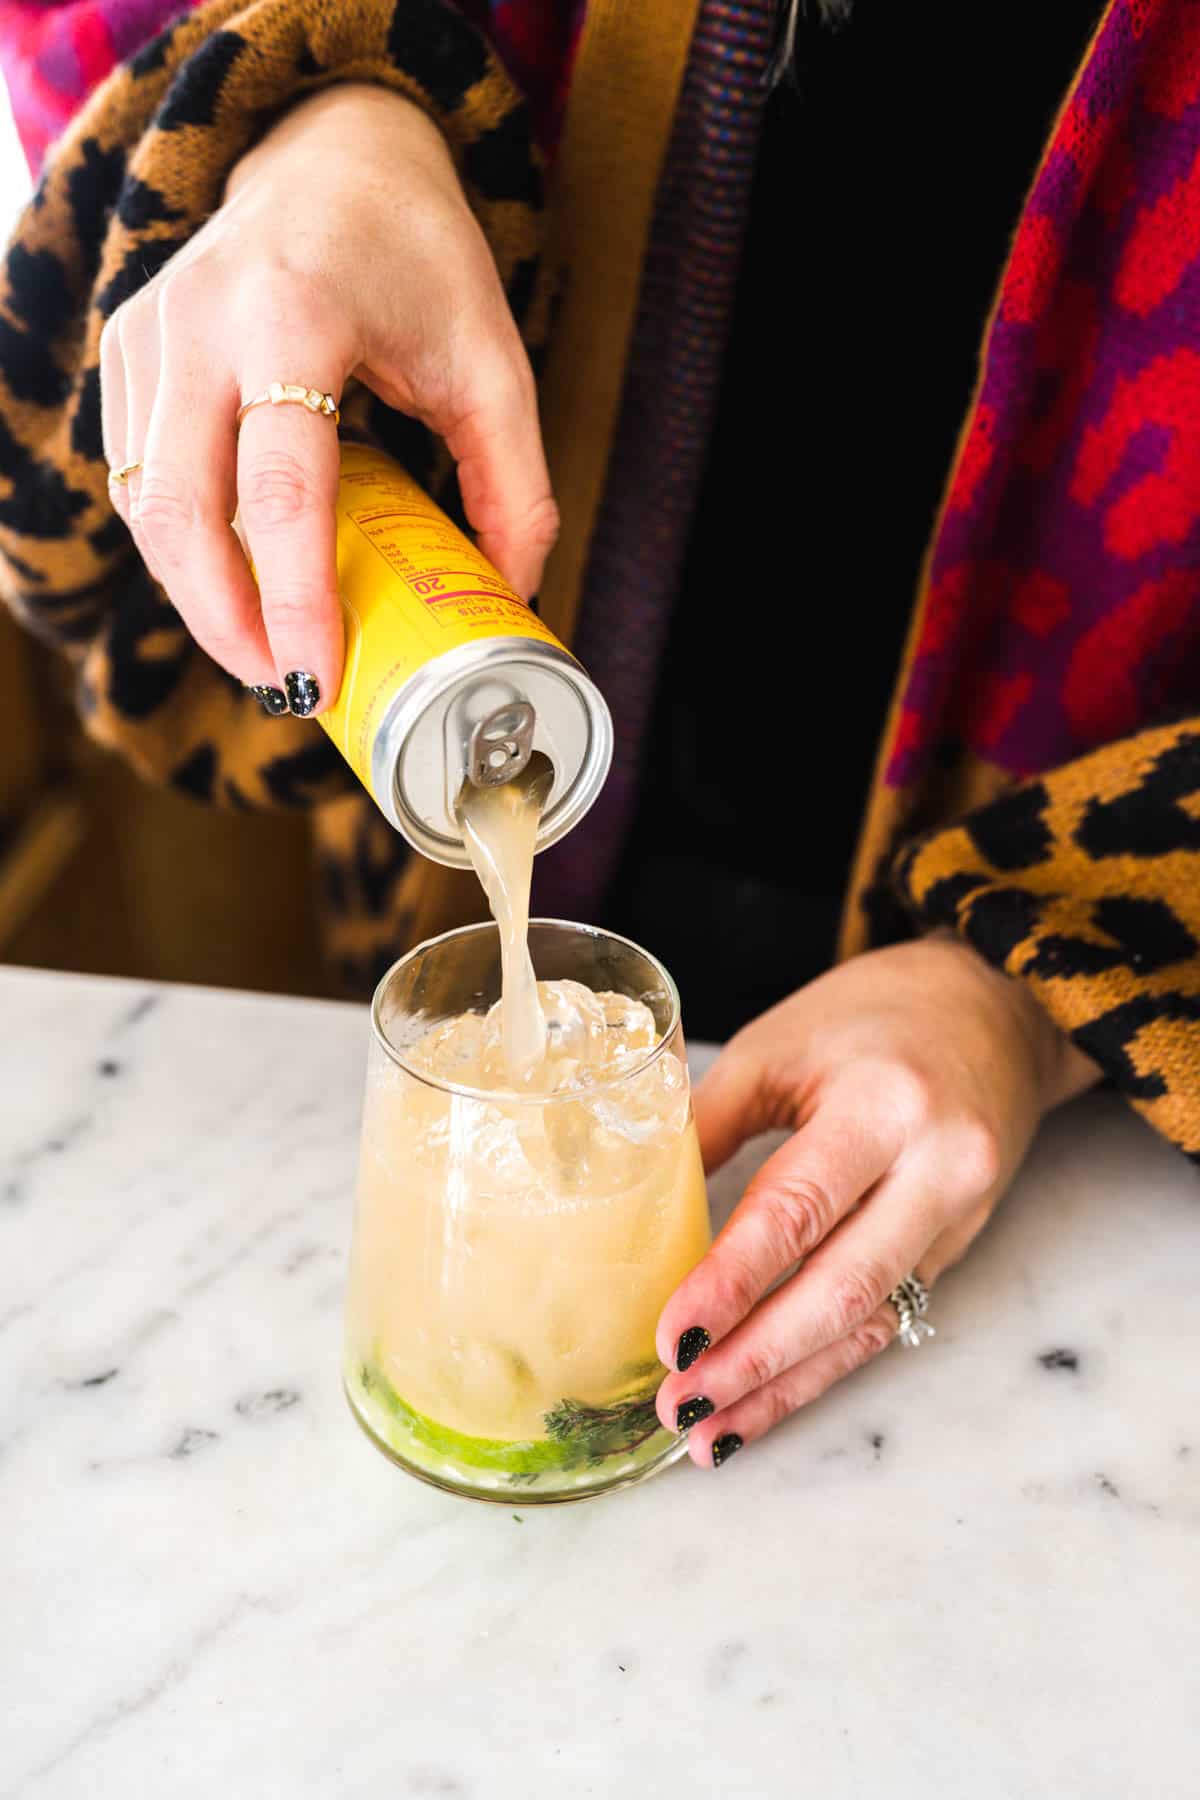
288,191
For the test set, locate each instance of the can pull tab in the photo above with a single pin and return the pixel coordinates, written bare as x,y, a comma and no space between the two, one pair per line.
501,745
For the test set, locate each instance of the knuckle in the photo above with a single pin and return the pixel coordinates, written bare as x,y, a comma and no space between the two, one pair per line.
797,1215
128,319
855,1296
870,1339
282,303
543,523
759,1364
110,348
774,1406
735,1286
910,1095
524,379
124,339
499,381
180,289
164,505
289,602
226,647
977,1154
275,489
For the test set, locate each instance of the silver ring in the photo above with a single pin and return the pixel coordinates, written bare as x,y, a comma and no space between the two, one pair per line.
911,1300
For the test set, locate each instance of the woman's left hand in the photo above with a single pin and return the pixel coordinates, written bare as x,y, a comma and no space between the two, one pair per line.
913,1079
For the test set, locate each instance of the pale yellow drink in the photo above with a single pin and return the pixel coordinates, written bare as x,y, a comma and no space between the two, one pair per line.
530,1194
514,1245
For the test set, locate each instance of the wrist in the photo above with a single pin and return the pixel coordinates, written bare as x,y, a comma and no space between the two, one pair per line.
1075,1072
1060,1071
350,121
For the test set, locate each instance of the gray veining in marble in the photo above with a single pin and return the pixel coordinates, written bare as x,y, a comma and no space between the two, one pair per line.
972,1571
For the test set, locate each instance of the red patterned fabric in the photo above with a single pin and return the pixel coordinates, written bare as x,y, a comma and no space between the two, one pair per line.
1062,607
54,52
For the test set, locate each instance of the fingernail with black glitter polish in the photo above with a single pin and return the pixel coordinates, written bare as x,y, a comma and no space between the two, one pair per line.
690,1412
725,1447
303,692
272,699
692,1344
534,604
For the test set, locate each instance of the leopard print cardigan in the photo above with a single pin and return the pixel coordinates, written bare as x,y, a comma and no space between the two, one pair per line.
139,170
1084,883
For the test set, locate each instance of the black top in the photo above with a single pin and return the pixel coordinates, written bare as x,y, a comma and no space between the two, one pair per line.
890,177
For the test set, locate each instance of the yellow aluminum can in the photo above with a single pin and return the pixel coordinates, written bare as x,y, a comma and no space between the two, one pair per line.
448,674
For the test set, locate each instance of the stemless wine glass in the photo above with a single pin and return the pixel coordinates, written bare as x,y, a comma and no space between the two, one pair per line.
512,1252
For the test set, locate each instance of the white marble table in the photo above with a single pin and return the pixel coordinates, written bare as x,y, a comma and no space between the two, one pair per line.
972,1571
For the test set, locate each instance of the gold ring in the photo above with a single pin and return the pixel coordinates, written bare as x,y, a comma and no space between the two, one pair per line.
120,477
293,393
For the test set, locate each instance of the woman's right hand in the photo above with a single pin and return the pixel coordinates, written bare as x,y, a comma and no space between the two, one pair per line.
345,246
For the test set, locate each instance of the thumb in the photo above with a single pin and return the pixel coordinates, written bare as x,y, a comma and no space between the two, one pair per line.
731,1104
502,472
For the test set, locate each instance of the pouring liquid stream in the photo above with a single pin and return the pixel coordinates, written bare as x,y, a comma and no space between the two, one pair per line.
500,827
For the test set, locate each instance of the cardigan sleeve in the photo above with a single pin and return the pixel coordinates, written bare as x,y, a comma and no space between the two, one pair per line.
1085,885
138,171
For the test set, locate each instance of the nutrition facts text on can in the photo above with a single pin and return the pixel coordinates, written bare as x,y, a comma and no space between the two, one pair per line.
428,557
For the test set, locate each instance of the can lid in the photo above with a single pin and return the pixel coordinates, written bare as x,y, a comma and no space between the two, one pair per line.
422,750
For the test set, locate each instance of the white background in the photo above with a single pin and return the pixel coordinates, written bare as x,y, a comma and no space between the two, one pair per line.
14,176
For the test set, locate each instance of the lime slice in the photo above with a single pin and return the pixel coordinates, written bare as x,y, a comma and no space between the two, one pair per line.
578,1436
